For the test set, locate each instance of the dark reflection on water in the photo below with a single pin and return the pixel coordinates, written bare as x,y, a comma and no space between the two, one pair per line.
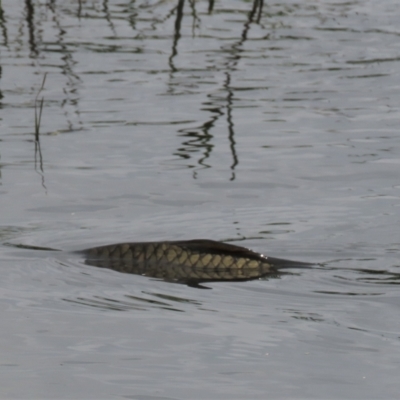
378,276
1,93
104,304
230,124
138,303
232,60
9,232
197,140
70,89
3,27
38,47
177,35
38,150
201,139
297,314
349,277
70,103
173,298
107,15
30,13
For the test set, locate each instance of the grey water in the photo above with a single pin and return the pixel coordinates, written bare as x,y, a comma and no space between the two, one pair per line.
271,125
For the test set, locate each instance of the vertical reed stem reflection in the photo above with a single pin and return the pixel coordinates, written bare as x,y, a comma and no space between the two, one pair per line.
177,34
3,26
210,6
38,119
1,92
72,98
108,17
200,138
79,12
30,12
229,119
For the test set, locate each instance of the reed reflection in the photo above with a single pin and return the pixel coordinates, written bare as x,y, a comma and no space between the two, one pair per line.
198,143
229,119
132,14
210,6
70,103
196,20
70,88
79,11
39,162
38,151
1,92
30,14
200,139
177,34
3,26
107,15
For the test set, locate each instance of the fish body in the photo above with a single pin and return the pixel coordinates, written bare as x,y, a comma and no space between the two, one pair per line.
186,261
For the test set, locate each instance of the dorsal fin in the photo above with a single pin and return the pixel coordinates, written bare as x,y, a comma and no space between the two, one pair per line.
213,247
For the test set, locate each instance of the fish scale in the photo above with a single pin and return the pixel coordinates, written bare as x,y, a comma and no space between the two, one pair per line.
192,260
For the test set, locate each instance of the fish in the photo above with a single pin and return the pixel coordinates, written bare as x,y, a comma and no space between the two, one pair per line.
188,261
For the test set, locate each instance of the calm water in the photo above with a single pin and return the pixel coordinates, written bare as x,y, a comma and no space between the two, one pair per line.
274,126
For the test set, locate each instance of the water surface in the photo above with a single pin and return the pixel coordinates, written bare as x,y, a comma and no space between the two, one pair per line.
273,126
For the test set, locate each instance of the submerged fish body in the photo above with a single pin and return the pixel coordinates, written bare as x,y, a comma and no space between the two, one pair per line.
186,261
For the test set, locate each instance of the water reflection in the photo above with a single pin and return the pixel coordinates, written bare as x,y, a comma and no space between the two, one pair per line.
198,142
1,92
229,118
10,232
200,138
361,280
107,15
38,116
210,6
103,303
384,277
30,14
3,26
71,88
143,302
177,35
79,11
305,316
132,14
39,162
